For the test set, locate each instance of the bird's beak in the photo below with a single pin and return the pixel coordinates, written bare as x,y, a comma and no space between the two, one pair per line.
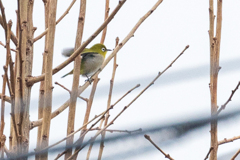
109,50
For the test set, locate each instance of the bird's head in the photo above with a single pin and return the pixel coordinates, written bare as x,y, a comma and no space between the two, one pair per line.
100,48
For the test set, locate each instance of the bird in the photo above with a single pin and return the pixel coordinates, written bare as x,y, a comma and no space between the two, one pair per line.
92,59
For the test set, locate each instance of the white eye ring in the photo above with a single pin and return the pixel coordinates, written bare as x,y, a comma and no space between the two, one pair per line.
103,49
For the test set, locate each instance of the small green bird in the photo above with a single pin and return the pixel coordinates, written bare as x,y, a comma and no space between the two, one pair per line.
92,59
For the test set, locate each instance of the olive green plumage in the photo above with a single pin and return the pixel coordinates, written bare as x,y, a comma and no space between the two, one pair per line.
92,59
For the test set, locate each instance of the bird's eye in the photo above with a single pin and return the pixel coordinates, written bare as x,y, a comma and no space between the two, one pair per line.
103,49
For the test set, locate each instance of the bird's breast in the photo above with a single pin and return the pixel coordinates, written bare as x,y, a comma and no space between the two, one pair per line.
91,63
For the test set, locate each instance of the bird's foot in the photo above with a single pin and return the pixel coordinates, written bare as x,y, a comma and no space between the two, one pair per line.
89,79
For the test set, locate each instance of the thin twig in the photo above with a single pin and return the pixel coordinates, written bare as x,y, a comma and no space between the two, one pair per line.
235,155
42,83
9,26
5,77
60,155
120,131
11,86
211,148
7,80
6,98
5,47
109,100
150,140
13,37
225,140
11,63
85,99
229,99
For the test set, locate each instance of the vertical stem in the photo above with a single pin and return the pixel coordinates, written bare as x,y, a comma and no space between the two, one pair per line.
13,125
48,77
3,107
214,69
21,96
12,91
11,87
27,52
91,144
107,9
13,129
5,78
41,89
22,48
17,100
76,74
109,103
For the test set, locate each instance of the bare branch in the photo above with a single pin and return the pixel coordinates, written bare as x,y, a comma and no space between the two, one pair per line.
116,130
214,69
235,155
229,99
42,83
211,148
6,98
109,100
85,99
225,140
76,74
48,78
150,140
5,47
13,37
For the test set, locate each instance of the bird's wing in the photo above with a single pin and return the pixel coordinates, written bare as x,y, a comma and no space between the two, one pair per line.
67,52
88,54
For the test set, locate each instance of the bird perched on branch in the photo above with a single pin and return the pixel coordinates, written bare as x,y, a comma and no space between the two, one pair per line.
92,59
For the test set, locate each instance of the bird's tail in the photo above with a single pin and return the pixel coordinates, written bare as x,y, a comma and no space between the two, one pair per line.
67,74
67,52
